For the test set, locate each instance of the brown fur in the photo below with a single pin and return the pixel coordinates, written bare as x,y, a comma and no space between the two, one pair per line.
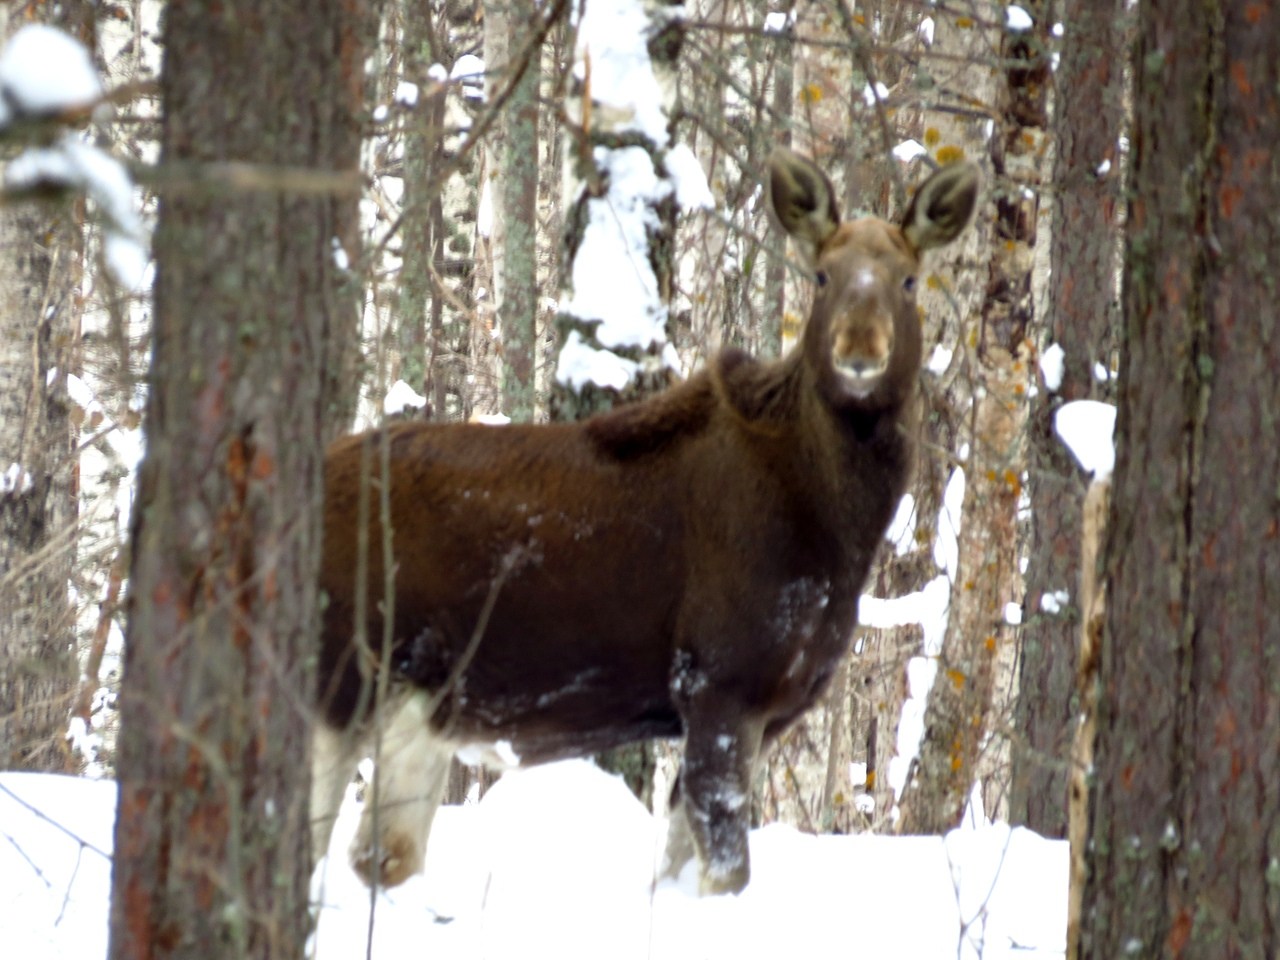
688,565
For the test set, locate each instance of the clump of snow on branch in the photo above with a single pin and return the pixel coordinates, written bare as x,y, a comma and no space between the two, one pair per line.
43,72
1087,428
612,277
1051,366
1017,19
402,397
468,70
909,150
612,45
613,284
17,479
692,191
581,364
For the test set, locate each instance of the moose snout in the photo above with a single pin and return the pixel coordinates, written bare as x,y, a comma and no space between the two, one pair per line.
861,350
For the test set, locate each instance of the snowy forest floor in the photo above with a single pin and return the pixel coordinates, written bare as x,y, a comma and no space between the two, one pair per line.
558,861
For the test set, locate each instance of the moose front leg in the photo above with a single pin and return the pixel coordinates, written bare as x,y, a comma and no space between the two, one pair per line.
391,840
711,805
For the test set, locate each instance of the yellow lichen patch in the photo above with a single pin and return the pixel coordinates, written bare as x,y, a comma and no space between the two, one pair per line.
932,136
949,154
957,678
810,93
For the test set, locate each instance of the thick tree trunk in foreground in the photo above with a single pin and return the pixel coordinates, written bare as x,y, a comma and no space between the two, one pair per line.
1185,847
211,850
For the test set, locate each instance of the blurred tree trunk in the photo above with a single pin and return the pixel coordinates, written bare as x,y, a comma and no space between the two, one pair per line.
41,253
966,720
420,311
211,847
1088,116
1184,854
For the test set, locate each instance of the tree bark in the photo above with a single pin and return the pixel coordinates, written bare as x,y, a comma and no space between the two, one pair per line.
1083,306
211,848
1185,847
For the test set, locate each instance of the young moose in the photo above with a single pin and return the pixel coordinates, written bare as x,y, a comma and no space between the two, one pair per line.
689,565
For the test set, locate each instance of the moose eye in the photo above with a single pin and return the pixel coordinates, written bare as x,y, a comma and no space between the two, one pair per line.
821,277
909,285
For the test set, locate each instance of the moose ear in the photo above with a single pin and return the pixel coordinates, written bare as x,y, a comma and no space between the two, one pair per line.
803,201
942,207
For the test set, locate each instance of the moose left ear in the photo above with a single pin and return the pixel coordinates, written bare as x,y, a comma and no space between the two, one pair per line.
942,206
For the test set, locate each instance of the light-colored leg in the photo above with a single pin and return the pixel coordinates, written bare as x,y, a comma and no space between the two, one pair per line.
333,761
391,840
679,850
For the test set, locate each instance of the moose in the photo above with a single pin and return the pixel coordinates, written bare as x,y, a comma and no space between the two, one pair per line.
688,565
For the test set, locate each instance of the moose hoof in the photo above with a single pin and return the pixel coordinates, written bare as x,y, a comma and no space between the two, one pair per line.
719,880
389,863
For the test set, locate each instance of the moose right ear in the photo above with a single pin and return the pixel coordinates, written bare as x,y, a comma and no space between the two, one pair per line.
803,200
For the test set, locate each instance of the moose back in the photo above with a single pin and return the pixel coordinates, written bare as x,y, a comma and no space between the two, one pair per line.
686,566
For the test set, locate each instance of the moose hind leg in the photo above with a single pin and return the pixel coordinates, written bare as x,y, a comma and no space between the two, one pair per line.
391,840
711,815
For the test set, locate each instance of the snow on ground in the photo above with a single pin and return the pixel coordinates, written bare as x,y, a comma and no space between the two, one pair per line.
557,861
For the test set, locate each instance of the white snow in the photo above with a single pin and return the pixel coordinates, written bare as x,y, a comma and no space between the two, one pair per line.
902,528
1052,364
692,190
1013,613
406,93
612,36
939,360
45,71
16,479
580,364
1087,428
873,95
75,163
612,278
559,861
468,69
909,150
946,548
1053,601
778,22
401,397
1017,19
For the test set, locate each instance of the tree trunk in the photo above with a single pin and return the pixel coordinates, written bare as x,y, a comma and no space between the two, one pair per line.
1185,848
514,184
39,274
212,829
1087,121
